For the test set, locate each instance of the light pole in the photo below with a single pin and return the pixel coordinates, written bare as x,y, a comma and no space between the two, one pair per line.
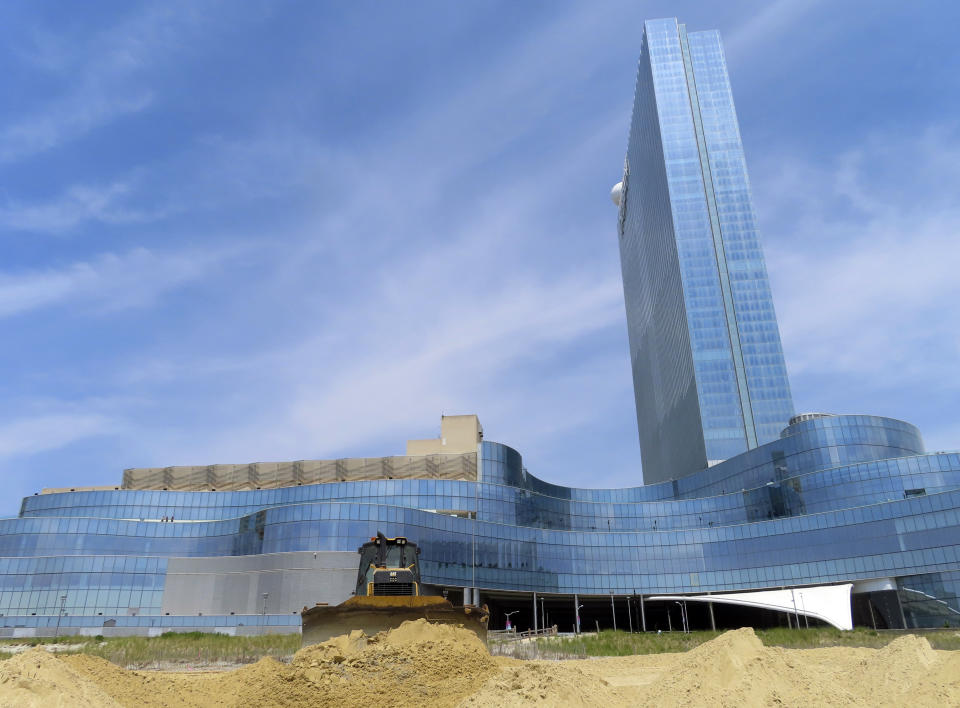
579,607
63,602
508,618
263,616
613,611
683,616
796,614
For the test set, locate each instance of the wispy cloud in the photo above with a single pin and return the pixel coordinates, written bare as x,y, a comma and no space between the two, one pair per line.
102,75
766,24
66,119
415,331
864,259
109,282
77,205
30,435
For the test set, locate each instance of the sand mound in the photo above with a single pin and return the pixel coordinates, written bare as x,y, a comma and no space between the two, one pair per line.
38,678
419,664
415,664
903,672
336,649
524,683
735,669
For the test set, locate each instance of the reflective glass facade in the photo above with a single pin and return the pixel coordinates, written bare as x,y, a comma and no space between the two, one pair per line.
709,376
843,498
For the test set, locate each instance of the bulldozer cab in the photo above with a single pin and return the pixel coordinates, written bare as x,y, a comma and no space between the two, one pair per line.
388,566
388,594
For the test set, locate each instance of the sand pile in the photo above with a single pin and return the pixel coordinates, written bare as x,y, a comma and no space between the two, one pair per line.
736,669
419,664
528,683
416,664
908,671
38,678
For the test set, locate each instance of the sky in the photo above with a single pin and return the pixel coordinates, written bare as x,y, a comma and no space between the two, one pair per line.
258,231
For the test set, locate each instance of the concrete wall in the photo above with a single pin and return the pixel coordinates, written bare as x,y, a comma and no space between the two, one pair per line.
236,584
458,434
248,630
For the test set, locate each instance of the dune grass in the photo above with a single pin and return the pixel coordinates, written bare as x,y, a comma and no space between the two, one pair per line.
610,643
202,649
172,647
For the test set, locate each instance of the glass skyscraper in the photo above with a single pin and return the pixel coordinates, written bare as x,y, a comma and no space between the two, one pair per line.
708,370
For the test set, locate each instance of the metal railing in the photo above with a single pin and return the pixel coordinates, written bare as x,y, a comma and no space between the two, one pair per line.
546,632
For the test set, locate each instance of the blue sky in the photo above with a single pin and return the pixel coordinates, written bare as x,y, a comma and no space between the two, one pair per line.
285,230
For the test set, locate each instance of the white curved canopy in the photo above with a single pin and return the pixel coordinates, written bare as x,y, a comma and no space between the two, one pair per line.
830,603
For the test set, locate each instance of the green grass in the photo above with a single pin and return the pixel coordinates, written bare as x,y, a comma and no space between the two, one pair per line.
201,648
610,643
832,637
172,647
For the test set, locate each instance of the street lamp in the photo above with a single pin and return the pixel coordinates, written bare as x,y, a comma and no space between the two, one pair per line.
263,617
613,611
579,607
63,602
683,616
508,618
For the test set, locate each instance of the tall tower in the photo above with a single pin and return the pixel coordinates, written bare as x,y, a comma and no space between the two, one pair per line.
708,371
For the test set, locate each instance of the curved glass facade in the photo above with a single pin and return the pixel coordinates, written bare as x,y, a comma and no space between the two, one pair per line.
835,499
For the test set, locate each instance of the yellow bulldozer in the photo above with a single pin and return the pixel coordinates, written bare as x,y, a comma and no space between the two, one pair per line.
388,593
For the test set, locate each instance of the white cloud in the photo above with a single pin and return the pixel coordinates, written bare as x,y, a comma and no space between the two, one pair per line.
103,76
766,24
77,205
65,119
30,435
864,257
109,282
420,327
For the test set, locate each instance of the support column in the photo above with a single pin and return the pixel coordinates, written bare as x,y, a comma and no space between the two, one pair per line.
903,617
534,612
713,622
643,614
576,614
629,613
613,611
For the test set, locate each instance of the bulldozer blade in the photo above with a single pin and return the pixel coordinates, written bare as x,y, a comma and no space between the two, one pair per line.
379,614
